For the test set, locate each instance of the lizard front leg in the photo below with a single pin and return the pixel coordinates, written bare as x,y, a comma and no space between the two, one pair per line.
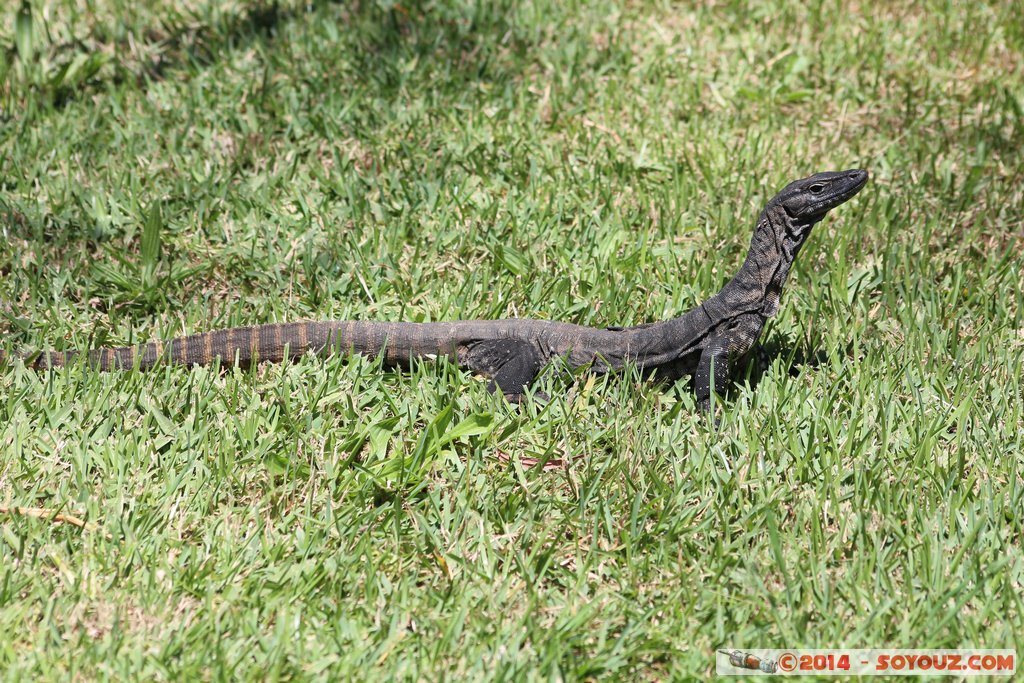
712,371
723,347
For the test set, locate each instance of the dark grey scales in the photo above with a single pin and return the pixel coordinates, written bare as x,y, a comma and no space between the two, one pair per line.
705,342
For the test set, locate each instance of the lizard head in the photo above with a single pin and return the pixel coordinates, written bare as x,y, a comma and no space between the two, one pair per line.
786,223
807,201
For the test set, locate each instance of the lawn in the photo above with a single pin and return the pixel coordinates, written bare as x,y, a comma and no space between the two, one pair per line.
184,166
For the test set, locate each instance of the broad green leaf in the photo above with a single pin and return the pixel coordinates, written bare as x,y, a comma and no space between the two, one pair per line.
151,236
23,38
514,261
474,425
379,435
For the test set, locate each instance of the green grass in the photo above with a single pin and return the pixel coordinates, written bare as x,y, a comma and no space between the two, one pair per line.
197,165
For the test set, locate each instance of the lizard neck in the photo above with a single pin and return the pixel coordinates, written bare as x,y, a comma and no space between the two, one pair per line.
757,287
755,290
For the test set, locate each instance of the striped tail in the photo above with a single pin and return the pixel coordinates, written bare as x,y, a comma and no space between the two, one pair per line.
240,346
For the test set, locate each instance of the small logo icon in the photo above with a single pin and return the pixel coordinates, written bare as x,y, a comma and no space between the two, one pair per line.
745,660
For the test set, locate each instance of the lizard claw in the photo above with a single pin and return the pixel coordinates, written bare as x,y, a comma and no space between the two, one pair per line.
519,399
706,408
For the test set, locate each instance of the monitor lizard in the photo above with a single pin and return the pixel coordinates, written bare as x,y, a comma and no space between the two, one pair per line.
705,342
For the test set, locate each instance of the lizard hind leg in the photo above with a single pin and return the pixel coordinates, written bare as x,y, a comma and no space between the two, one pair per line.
512,365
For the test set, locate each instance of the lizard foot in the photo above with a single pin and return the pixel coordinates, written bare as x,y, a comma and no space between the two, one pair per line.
511,363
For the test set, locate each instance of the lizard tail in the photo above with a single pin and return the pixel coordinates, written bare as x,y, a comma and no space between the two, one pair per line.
240,346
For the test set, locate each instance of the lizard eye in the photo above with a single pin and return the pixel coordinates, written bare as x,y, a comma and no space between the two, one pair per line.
816,188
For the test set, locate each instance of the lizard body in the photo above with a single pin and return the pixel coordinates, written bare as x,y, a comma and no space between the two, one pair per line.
704,342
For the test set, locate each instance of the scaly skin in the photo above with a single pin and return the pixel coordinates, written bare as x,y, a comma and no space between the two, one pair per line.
704,342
